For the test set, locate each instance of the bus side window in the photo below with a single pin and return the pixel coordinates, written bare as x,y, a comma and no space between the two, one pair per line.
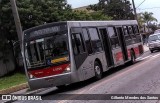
77,43
135,29
87,41
96,42
114,38
126,34
136,33
130,29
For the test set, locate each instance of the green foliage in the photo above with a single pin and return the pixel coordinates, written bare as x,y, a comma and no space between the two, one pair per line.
146,17
98,15
84,15
12,80
117,9
7,23
37,12
140,20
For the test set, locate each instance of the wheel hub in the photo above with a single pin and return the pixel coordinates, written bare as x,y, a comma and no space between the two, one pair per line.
98,70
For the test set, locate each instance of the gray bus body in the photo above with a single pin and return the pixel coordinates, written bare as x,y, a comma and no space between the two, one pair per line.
110,43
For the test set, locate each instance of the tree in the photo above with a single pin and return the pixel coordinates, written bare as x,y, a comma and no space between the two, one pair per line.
84,15
38,12
117,9
147,17
98,15
140,20
6,27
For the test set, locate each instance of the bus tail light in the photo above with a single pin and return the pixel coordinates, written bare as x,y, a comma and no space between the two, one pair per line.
68,69
31,76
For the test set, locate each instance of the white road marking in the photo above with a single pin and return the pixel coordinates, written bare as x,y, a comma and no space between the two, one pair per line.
150,56
156,55
140,58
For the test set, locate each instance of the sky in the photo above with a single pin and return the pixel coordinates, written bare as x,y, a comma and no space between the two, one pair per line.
148,5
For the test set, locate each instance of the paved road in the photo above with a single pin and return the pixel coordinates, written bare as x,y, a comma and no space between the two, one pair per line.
140,78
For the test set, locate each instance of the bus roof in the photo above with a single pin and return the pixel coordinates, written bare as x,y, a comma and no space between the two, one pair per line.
84,23
102,23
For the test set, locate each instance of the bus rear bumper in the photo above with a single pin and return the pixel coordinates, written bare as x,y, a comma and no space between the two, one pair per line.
50,81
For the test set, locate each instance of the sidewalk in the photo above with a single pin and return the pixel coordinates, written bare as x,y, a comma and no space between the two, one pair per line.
145,48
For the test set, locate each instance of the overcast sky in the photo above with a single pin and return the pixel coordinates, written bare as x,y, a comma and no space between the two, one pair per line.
148,5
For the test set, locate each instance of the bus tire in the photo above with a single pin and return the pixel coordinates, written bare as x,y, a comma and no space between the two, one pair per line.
61,86
133,57
98,70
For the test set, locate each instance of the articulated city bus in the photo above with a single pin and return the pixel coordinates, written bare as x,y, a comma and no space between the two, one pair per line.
58,54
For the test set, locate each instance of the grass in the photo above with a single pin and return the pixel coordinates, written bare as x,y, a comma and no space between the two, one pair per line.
12,80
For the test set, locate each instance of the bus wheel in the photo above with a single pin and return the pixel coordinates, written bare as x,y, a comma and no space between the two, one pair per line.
98,71
61,86
133,57
151,51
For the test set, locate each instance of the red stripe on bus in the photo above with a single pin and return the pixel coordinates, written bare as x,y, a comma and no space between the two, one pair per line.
49,71
119,56
136,50
129,52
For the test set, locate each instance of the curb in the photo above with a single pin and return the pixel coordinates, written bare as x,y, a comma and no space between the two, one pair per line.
14,88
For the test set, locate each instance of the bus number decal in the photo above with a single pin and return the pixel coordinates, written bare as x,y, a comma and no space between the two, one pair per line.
49,71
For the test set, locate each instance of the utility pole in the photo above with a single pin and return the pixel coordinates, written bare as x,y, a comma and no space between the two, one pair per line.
134,8
16,19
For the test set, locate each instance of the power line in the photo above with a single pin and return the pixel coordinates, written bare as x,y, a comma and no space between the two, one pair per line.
149,8
140,4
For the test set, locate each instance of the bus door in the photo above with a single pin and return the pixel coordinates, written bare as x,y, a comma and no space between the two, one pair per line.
122,42
82,48
107,46
80,53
